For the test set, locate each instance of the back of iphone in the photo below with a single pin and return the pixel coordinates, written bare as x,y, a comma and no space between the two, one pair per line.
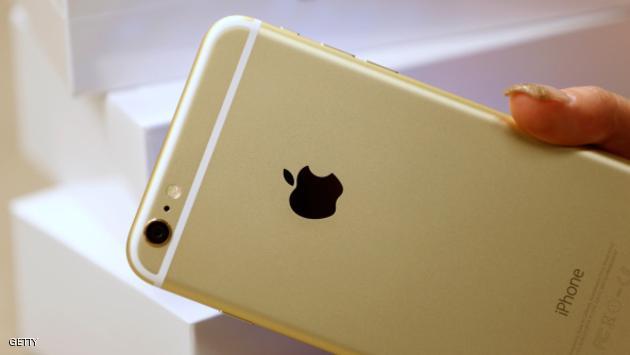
342,204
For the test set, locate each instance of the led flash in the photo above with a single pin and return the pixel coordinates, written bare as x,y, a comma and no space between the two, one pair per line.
174,191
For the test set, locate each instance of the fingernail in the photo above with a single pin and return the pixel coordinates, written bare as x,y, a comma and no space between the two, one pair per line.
539,92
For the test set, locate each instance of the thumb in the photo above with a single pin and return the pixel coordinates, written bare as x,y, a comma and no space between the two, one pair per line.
573,116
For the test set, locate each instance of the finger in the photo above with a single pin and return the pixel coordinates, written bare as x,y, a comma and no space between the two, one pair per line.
573,116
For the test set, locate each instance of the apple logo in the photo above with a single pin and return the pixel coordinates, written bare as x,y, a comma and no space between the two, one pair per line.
314,197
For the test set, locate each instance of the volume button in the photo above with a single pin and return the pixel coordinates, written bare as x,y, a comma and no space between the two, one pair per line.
338,50
381,66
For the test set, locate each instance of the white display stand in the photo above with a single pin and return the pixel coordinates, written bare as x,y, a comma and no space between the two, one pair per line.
101,44
61,135
77,294
137,122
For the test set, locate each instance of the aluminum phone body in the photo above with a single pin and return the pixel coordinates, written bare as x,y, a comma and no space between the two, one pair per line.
453,235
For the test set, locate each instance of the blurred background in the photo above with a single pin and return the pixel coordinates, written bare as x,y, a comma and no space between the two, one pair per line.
16,175
87,91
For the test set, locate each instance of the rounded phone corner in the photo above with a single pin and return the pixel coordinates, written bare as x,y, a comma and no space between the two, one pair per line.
134,260
228,24
232,22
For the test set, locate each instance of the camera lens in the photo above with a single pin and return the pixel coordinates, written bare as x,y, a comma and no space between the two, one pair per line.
157,232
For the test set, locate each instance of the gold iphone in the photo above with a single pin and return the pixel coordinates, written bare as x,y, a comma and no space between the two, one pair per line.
340,203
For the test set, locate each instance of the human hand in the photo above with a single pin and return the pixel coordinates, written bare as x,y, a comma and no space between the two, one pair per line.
572,117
